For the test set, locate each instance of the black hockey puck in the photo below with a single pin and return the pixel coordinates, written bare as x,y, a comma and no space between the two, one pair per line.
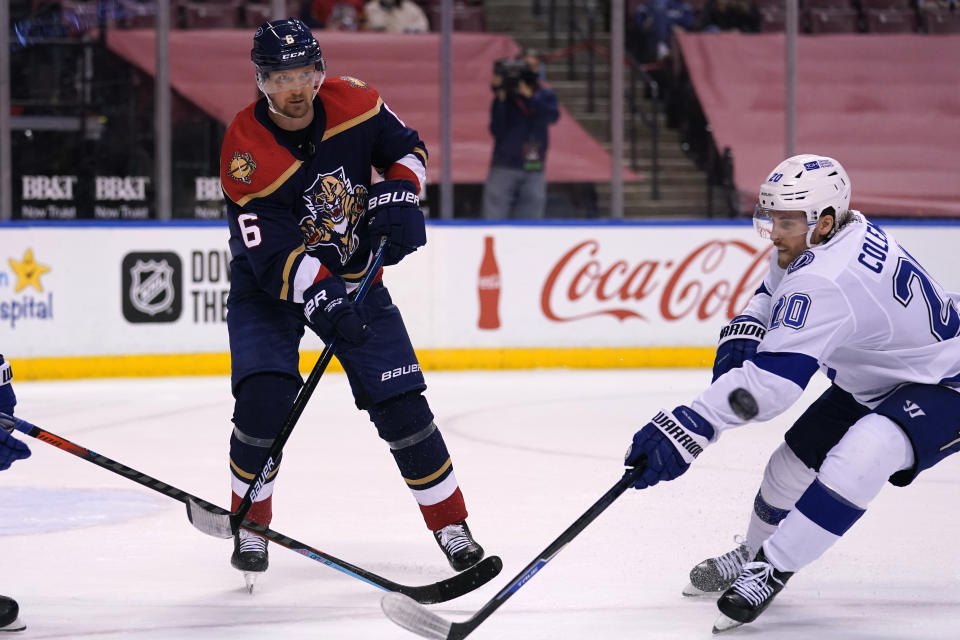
743,404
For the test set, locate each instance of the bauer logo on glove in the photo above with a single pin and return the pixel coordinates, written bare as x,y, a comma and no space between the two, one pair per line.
393,212
395,197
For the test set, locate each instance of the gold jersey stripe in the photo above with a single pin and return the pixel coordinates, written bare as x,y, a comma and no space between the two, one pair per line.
285,289
352,122
273,186
249,476
431,477
423,154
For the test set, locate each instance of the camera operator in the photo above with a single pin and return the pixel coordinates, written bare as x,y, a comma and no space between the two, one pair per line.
521,112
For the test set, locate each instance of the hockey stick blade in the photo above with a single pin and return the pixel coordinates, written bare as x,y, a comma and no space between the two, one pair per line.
442,591
412,616
224,525
213,524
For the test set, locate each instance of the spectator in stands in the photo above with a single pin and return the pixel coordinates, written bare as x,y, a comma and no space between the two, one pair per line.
345,17
396,16
649,33
531,57
521,112
342,15
731,15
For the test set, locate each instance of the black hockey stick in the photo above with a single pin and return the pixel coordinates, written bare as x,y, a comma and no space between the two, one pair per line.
412,616
225,525
442,591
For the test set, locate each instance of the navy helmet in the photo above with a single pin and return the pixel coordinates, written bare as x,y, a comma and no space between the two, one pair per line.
285,44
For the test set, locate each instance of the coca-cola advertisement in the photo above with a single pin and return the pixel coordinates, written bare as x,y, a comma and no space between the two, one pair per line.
536,286
488,288
713,279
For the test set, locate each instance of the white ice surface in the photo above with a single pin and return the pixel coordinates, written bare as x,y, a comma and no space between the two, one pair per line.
91,555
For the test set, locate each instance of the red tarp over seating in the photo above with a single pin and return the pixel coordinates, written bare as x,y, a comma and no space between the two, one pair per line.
212,68
886,106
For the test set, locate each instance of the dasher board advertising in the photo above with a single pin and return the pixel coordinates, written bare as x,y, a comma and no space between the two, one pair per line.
119,290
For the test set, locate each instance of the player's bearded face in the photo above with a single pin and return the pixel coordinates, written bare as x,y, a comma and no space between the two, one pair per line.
786,229
291,91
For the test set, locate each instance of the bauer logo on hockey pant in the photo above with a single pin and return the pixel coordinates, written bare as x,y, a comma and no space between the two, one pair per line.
396,197
399,371
683,439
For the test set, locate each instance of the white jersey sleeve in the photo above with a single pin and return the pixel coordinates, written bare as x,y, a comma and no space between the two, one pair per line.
860,307
810,318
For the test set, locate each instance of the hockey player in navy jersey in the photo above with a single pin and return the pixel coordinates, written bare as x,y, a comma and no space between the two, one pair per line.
11,450
296,171
842,296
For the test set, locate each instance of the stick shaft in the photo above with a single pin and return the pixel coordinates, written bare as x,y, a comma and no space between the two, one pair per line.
427,594
462,629
300,403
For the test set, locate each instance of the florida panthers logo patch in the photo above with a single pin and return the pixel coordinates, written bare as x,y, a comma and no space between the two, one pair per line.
334,207
353,82
242,166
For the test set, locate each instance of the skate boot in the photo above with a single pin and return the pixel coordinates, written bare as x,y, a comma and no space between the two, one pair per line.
754,590
9,615
458,545
250,556
715,575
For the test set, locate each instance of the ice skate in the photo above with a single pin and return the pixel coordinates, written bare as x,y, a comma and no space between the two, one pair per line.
458,545
715,575
250,556
754,590
9,615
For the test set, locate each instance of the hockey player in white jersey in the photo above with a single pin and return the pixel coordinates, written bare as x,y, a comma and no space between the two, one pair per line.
844,297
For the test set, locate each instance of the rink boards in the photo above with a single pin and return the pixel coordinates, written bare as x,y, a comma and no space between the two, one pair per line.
150,299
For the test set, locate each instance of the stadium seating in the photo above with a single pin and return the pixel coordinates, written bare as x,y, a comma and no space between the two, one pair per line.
465,17
890,20
211,15
832,20
941,20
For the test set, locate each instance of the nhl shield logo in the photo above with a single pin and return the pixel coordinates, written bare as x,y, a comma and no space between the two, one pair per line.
152,287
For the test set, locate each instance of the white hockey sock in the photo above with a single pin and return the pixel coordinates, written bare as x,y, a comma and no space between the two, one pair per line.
853,473
785,479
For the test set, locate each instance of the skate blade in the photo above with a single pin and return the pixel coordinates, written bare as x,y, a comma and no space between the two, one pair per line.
691,591
16,625
250,578
723,624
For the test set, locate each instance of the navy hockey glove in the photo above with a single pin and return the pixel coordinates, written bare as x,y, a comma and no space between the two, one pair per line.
7,398
331,313
667,445
738,344
393,211
11,449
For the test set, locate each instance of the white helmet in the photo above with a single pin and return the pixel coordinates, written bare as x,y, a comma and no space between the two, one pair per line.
808,183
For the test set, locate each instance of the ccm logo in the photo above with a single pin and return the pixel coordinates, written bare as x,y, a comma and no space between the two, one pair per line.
395,197
399,371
